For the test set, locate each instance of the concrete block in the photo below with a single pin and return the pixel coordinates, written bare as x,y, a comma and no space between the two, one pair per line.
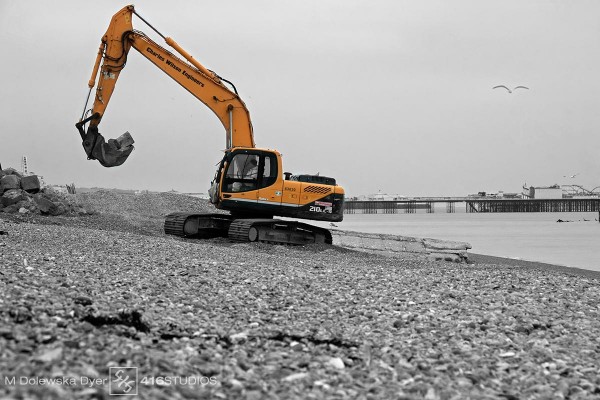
376,241
125,140
436,244
30,184
391,244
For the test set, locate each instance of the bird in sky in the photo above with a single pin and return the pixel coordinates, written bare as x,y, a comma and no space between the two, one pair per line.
570,176
509,90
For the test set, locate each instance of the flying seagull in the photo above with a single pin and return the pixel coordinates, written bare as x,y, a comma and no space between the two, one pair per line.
570,176
510,91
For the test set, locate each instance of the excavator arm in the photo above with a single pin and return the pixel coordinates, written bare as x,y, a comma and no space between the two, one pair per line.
202,83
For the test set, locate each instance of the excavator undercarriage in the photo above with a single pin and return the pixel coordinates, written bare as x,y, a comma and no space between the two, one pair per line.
268,230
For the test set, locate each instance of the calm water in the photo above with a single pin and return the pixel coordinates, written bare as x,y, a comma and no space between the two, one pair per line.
527,236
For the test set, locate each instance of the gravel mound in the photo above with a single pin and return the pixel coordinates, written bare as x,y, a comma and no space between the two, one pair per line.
117,211
222,320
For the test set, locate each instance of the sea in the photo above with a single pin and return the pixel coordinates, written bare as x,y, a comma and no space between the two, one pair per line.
575,242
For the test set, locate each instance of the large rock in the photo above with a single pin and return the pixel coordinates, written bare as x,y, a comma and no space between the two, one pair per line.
12,171
46,206
13,208
11,197
9,182
30,184
2,174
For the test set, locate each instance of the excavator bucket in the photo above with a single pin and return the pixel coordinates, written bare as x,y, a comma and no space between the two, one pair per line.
110,154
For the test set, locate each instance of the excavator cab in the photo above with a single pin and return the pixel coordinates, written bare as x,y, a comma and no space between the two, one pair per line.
247,171
245,179
250,183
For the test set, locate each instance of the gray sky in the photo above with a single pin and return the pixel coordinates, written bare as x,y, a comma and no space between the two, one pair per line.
386,95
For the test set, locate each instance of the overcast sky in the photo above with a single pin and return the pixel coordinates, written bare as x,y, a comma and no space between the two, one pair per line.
386,95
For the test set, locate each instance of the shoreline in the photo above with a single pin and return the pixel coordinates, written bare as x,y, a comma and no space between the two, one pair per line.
522,236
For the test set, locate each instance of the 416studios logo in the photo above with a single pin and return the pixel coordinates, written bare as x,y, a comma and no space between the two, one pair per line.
123,381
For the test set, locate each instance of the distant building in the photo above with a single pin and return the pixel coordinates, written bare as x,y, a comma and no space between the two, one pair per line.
385,197
541,192
499,195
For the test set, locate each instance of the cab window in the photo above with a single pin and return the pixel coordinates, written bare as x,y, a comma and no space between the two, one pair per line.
247,172
269,175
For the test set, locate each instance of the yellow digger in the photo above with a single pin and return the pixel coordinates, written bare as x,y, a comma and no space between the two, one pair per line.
249,182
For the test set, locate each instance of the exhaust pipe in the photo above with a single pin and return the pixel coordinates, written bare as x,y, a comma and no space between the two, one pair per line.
110,154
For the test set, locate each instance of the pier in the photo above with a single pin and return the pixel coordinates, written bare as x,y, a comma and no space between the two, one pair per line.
472,205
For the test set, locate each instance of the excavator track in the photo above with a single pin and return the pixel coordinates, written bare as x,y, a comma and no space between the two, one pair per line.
197,225
266,230
239,230
277,231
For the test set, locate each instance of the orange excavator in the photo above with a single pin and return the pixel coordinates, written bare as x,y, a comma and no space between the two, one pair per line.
249,183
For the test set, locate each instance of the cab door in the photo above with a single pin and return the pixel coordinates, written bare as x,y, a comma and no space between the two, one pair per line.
251,182
269,184
239,182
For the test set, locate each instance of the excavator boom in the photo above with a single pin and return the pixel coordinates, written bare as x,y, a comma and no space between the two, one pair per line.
205,85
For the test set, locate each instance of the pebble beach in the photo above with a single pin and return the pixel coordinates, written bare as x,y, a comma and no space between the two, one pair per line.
83,294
